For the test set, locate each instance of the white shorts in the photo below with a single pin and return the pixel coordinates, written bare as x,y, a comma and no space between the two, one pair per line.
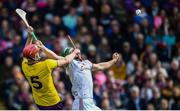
84,104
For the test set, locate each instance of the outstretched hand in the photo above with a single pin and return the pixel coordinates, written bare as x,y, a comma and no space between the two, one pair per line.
116,56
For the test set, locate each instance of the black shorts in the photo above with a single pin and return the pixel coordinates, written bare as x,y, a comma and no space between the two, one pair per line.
58,106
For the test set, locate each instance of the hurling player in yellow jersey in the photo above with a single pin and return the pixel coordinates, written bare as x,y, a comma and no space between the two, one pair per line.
38,72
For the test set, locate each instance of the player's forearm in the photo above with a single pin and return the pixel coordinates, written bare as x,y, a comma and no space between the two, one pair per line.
103,65
50,54
106,65
29,39
66,60
70,57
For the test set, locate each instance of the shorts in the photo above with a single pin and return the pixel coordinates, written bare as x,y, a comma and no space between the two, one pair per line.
84,104
58,106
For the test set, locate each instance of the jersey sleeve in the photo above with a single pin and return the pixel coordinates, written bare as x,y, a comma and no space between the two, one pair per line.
68,67
90,64
52,63
24,60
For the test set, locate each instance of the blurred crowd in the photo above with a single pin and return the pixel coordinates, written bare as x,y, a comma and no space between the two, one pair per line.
147,75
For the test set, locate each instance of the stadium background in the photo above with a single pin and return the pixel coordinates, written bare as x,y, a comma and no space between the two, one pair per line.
148,44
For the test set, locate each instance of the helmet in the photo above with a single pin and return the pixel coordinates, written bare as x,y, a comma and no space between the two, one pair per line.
30,51
66,51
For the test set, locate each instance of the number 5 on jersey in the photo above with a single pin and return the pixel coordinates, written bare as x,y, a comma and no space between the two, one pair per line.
35,82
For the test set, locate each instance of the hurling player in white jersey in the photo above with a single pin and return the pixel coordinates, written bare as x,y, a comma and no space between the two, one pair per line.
81,78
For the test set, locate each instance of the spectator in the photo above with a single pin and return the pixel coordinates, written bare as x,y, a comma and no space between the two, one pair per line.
115,38
176,82
29,5
126,51
57,25
84,9
91,53
173,69
105,104
140,45
93,25
169,40
103,50
156,98
164,104
131,64
150,107
176,101
135,102
8,67
129,84
161,70
16,50
167,92
63,41
153,59
70,21
155,8
161,80
146,91
119,69
98,35
106,14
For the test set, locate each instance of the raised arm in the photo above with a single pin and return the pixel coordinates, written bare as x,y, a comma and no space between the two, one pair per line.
106,65
50,54
69,58
30,38
61,60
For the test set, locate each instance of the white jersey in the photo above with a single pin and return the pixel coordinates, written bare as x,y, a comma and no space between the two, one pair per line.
81,78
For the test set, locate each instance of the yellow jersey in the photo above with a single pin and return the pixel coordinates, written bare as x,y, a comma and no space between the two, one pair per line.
40,79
